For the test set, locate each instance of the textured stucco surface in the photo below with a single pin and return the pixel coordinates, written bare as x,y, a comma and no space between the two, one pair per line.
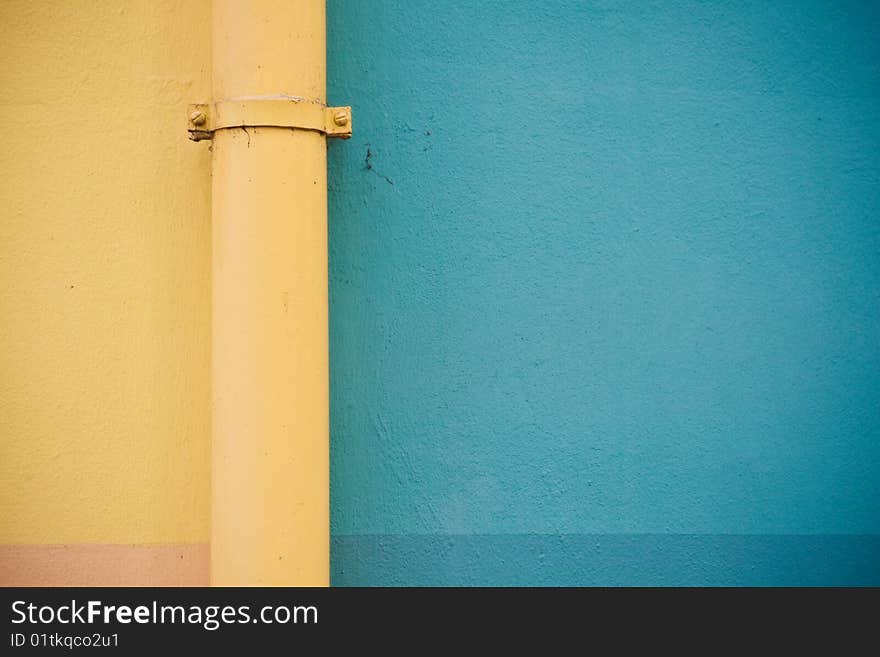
605,292
105,271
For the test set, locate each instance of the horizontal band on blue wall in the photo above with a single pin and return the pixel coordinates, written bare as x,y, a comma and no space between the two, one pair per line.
606,560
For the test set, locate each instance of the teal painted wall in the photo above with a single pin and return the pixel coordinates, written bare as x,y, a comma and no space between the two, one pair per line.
605,292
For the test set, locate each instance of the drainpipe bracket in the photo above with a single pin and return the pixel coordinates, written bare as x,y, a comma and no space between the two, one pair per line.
204,119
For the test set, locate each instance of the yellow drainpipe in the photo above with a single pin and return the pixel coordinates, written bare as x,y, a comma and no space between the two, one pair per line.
270,462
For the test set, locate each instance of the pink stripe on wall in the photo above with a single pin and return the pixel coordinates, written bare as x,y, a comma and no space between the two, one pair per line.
104,565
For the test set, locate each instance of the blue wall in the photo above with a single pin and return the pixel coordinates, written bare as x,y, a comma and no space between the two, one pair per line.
605,292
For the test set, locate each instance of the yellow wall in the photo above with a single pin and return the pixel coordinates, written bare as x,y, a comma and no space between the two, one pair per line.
105,272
